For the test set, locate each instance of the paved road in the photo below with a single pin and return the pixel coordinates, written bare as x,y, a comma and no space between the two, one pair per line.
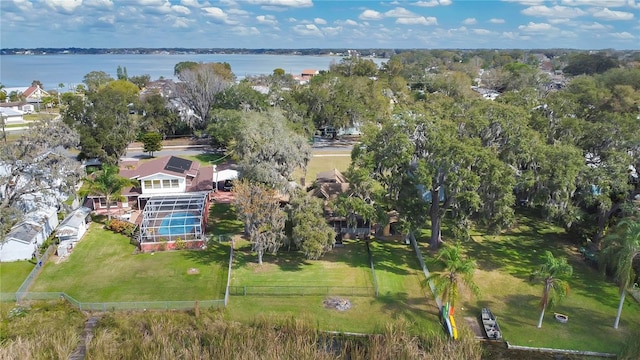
320,147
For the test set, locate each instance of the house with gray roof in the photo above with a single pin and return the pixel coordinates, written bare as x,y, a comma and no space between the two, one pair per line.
25,238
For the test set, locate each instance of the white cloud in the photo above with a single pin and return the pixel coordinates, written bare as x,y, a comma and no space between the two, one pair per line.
510,35
64,5
245,31
181,23
594,26
332,31
417,20
181,9
470,21
612,15
536,27
350,22
191,3
559,21
482,31
267,20
216,13
291,19
526,2
238,12
370,15
432,3
554,11
23,5
400,12
623,35
496,21
109,19
99,3
149,2
282,3
320,21
307,30
609,3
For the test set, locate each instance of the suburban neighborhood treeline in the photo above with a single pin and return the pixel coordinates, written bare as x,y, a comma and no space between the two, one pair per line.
446,141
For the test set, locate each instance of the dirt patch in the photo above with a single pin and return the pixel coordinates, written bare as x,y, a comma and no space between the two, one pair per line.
193,271
475,326
337,303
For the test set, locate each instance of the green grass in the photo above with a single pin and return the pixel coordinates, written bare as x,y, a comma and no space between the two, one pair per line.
223,220
325,162
347,266
504,265
401,293
13,274
40,116
103,268
208,158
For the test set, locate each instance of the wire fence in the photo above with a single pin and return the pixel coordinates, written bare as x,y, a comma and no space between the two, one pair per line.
427,274
26,284
301,290
112,306
373,270
226,292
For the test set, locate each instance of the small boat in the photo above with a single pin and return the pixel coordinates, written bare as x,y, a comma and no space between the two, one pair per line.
490,325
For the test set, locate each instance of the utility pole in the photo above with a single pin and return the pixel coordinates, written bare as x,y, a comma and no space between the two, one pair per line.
4,131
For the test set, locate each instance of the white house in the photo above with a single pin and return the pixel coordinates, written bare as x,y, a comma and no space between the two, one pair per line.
73,227
167,175
11,116
23,239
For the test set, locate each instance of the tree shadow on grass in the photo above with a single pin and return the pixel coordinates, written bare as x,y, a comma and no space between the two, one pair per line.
401,305
393,256
223,220
217,253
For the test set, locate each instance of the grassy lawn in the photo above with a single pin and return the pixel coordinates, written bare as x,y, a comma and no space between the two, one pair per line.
13,274
40,116
323,162
401,293
103,268
208,158
347,266
504,265
223,220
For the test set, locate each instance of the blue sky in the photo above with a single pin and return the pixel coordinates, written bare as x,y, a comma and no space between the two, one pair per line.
578,24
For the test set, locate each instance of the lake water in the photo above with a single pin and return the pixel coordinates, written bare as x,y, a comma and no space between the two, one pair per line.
51,70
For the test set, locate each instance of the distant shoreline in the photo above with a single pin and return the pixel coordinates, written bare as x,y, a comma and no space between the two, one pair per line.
372,53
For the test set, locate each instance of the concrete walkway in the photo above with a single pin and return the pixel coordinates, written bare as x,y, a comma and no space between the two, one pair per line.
81,351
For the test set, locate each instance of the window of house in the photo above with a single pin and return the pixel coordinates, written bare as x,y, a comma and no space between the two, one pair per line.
147,184
156,184
103,203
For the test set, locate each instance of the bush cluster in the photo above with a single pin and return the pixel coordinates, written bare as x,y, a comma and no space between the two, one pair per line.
121,227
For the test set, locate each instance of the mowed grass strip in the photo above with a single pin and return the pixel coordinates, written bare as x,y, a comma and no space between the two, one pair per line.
104,268
346,266
13,274
401,297
321,162
504,264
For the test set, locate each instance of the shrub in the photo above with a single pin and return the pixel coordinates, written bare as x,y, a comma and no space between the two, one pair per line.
180,244
121,227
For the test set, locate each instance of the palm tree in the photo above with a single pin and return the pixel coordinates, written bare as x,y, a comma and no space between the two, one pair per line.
553,273
620,248
107,183
458,273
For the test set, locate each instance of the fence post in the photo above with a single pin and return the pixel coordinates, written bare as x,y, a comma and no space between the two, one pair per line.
244,291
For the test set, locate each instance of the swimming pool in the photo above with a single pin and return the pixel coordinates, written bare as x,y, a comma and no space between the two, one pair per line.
178,224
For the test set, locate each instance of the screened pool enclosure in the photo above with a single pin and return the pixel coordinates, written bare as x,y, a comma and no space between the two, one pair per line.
169,218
